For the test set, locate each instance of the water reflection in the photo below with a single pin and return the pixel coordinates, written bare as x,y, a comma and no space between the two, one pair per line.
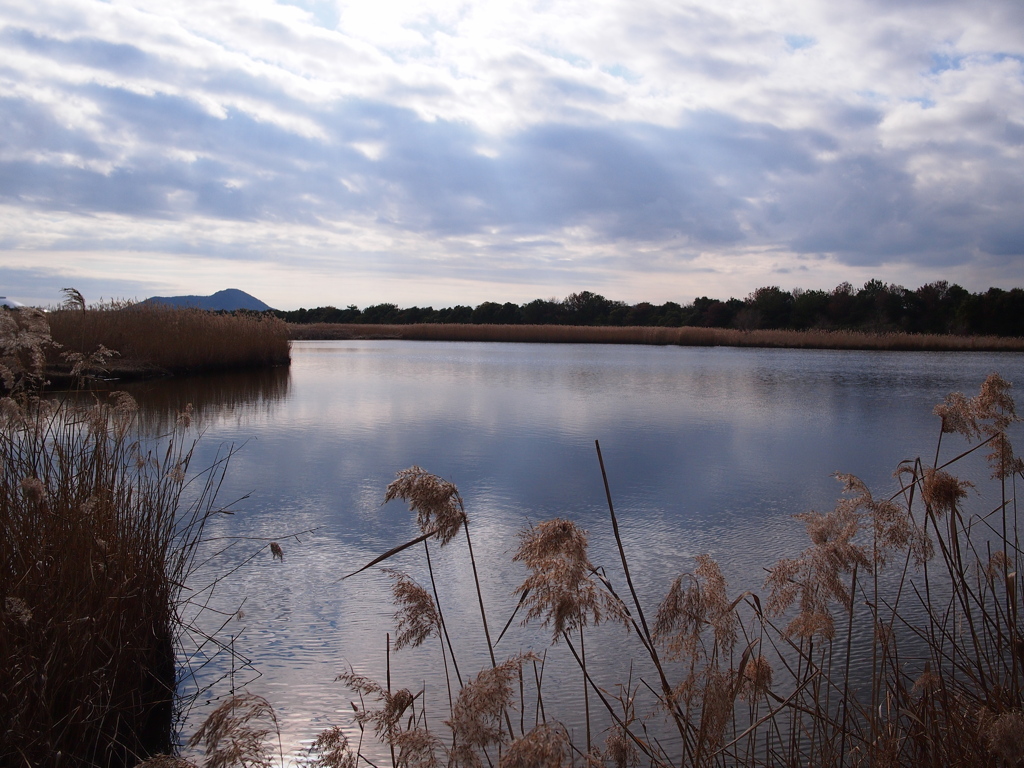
242,397
708,450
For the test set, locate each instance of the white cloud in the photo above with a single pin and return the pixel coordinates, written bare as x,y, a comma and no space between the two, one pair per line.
434,139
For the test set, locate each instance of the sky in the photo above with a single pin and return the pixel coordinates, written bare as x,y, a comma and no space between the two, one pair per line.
420,152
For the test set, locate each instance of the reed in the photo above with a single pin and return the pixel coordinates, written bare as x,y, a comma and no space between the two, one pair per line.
687,336
95,542
744,679
153,339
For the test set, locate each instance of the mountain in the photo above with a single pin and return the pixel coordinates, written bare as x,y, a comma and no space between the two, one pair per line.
227,300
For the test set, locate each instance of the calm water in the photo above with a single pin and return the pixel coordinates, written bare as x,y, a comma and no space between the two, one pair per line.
708,450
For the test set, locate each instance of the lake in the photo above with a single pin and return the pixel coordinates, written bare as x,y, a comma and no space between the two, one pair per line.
708,450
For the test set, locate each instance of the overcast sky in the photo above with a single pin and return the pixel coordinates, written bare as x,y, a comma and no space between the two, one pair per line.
426,152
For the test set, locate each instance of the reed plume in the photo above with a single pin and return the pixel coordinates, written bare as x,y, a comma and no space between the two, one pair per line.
436,502
418,747
943,492
385,719
331,749
560,589
544,746
1005,737
693,603
417,615
620,750
757,678
813,580
990,413
476,721
236,732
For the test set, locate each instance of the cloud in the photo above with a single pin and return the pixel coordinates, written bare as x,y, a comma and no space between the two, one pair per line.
489,141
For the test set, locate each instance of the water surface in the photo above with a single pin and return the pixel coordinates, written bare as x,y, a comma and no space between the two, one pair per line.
708,450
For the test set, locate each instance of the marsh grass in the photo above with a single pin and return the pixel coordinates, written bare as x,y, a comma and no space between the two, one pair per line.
158,340
724,679
96,541
686,336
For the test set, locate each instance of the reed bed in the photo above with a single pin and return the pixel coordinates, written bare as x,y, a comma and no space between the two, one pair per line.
687,336
153,339
719,678
95,543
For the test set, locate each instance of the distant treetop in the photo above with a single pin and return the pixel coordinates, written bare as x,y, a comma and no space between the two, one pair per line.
938,307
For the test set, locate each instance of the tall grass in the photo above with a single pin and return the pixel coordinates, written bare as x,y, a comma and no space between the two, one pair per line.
155,339
685,336
895,638
95,542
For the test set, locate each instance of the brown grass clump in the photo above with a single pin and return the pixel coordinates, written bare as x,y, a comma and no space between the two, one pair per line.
158,340
94,546
24,341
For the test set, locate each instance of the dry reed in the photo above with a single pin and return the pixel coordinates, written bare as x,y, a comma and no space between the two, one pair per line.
94,545
158,340
688,336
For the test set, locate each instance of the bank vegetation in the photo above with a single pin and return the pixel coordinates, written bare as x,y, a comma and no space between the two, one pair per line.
685,336
97,538
125,340
877,308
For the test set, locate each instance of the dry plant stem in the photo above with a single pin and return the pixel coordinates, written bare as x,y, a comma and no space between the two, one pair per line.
483,614
538,676
649,643
387,657
479,594
586,694
440,615
607,704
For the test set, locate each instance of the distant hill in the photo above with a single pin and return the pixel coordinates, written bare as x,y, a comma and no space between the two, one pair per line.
227,300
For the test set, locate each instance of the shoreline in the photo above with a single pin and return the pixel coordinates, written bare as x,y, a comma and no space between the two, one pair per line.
660,336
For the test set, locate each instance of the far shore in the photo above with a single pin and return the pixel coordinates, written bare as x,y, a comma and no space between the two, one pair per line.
687,336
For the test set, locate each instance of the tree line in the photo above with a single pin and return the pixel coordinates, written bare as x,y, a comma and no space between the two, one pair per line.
937,307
